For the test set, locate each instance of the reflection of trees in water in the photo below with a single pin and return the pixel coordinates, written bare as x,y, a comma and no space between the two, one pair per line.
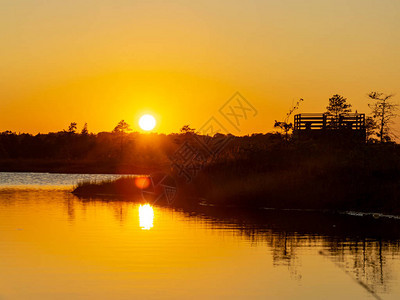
363,248
120,209
70,207
367,260
10,196
283,246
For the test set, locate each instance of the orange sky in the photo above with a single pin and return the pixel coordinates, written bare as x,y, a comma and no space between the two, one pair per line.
100,61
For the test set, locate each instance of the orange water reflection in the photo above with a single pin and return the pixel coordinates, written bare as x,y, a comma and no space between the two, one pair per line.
56,246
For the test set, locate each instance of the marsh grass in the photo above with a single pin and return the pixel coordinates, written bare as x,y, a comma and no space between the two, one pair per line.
122,186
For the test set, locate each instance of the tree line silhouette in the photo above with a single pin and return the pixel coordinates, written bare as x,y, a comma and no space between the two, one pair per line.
124,146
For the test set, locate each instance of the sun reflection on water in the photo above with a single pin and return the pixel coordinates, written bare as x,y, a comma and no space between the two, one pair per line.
146,216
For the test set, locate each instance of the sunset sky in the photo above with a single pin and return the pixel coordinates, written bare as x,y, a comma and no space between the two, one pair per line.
100,61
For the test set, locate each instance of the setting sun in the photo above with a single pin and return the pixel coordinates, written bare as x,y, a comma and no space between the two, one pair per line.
147,122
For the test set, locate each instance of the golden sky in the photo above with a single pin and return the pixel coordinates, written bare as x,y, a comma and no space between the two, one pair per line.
100,61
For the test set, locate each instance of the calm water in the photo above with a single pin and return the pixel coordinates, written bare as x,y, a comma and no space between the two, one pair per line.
48,180
54,245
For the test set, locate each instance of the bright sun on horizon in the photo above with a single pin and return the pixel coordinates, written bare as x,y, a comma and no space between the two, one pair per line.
147,122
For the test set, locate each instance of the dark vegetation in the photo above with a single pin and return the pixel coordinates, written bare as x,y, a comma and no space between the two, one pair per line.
260,170
308,175
68,152
267,171
124,186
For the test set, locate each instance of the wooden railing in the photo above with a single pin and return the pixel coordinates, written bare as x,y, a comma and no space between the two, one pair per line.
309,121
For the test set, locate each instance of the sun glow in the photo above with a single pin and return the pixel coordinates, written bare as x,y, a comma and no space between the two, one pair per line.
142,182
146,216
147,122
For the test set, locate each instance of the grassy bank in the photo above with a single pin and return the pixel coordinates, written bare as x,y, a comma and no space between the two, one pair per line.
124,186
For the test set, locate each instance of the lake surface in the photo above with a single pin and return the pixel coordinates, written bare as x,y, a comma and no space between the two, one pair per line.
48,180
54,245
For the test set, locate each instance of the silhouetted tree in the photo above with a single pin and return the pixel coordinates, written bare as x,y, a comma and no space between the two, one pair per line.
337,105
383,113
85,129
370,127
72,127
284,125
186,129
122,127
